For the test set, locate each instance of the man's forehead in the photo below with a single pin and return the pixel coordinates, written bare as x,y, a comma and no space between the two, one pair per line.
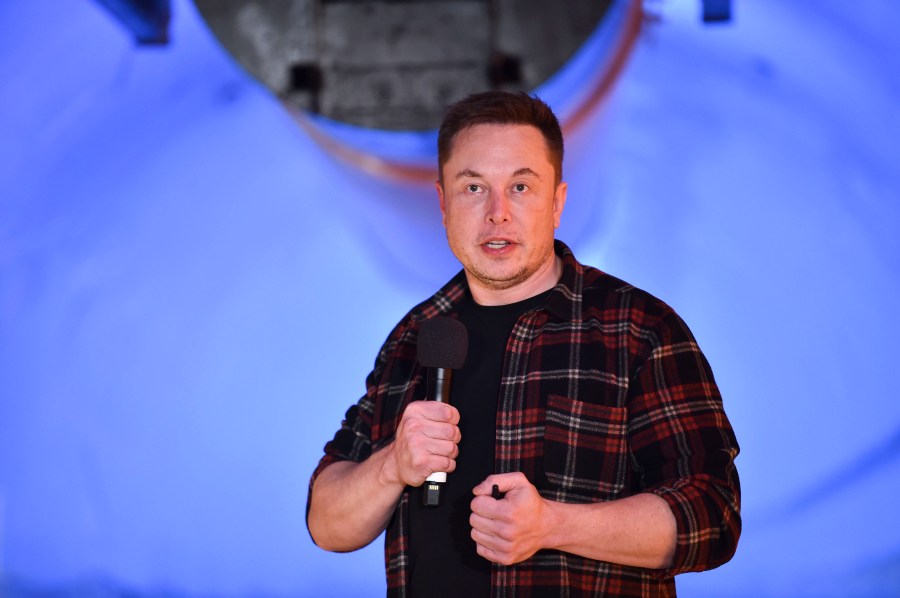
513,140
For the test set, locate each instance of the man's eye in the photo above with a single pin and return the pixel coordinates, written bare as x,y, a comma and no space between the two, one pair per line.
520,187
473,188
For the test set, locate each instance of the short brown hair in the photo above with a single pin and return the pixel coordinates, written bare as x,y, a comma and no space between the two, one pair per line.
501,108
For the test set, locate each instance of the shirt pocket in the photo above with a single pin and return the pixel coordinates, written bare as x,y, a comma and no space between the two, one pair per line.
585,449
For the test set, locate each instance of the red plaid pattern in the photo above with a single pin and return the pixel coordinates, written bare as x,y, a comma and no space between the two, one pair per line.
604,394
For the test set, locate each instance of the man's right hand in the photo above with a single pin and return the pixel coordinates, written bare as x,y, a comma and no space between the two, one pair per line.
425,442
353,502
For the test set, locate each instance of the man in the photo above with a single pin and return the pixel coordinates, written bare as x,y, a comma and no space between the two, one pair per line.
583,399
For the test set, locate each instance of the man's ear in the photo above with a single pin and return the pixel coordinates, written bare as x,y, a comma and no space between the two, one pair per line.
559,202
441,202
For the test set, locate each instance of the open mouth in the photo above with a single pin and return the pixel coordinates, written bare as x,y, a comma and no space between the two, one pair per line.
497,244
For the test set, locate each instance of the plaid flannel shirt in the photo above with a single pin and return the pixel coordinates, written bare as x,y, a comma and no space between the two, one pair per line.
604,394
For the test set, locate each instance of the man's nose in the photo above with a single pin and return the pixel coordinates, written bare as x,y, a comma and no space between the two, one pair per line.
498,208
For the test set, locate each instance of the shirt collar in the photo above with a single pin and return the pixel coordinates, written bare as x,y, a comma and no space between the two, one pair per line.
565,300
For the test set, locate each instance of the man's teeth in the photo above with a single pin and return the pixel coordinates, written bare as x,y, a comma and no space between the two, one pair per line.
497,244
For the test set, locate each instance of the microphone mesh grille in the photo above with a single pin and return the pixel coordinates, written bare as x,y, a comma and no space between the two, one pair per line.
443,343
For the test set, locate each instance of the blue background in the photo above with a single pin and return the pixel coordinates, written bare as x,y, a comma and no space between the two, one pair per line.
192,291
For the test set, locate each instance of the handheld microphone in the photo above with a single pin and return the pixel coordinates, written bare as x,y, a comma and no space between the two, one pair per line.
442,347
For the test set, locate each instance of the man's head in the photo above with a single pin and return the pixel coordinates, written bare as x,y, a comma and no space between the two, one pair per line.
500,195
500,108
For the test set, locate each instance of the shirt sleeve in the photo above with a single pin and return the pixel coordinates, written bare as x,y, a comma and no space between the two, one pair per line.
684,447
353,441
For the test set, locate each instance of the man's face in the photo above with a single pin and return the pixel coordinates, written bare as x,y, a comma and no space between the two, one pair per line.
501,204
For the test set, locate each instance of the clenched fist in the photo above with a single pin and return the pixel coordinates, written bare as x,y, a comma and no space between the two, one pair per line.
425,442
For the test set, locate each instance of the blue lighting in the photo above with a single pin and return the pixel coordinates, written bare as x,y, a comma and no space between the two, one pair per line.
192,292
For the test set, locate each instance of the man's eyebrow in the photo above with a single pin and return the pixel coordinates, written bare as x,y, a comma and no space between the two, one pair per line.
526,170
467,172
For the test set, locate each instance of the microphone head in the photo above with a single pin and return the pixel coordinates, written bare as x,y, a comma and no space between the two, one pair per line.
443,343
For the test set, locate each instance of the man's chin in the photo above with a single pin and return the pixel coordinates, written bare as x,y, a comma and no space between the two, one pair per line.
498,281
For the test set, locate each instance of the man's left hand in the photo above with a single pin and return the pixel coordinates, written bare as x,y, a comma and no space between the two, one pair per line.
513,528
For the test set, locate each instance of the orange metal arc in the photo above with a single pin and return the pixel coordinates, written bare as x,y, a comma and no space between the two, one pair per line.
634,21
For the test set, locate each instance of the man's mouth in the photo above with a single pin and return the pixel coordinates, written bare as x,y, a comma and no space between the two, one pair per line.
497,244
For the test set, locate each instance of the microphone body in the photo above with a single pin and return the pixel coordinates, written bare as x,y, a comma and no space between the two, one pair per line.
440,381
442,347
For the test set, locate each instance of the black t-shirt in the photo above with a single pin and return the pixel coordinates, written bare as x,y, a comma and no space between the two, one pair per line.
443,560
